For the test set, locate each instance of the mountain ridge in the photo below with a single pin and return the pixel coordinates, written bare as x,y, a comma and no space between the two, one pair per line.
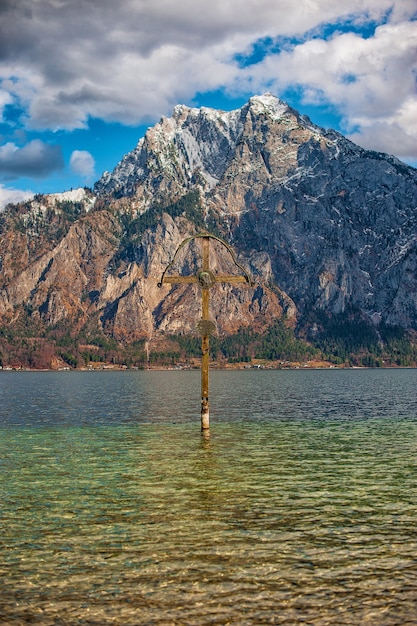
324,226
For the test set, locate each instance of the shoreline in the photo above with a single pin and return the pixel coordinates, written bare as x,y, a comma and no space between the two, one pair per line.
227,367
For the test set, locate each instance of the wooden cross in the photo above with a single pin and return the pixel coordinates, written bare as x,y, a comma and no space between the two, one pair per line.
206,279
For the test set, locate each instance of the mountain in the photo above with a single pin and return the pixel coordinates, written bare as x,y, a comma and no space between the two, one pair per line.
327,229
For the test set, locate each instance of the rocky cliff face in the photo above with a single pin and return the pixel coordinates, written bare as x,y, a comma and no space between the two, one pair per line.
322,225
330,223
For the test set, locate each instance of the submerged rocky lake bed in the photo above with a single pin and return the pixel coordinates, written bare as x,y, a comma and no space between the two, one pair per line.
298,508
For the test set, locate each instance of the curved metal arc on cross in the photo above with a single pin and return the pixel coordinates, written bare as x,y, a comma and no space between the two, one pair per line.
194,278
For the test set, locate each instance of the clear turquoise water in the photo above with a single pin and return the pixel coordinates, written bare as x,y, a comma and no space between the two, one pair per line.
299,509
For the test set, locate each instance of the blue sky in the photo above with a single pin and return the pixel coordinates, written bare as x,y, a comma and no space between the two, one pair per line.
81,80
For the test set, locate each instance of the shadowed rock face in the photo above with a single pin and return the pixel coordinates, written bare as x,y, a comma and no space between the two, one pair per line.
319,222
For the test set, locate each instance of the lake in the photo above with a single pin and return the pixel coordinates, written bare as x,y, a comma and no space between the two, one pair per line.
299,508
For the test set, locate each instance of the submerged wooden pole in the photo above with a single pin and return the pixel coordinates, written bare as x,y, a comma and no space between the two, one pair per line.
205,340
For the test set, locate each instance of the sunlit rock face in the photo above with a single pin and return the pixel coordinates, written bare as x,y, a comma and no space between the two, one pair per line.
320,223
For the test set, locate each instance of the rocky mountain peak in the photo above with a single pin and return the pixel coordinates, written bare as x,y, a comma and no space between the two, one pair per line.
325,227
268,104
195,147
332,217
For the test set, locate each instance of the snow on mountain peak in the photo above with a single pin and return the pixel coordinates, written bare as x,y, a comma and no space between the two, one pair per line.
193,144
74,195
181,111
267,101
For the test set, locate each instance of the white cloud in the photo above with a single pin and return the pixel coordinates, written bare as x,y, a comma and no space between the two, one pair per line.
10,195
5,99
396,134
132,61
36,159
370,81
82,163
385,137
116,60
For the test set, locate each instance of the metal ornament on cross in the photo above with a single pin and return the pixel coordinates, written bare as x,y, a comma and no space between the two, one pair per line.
206,278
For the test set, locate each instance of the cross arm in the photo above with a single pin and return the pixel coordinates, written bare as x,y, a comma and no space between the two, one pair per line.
232,278
178,279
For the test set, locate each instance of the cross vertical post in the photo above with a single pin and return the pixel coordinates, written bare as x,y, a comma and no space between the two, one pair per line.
205,340
206,279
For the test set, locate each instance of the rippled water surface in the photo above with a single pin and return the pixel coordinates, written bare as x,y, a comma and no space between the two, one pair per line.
300,508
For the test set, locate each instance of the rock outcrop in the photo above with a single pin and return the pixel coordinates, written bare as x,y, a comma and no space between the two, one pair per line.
322,224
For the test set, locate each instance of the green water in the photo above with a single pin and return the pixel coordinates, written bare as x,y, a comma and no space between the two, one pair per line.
274,519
